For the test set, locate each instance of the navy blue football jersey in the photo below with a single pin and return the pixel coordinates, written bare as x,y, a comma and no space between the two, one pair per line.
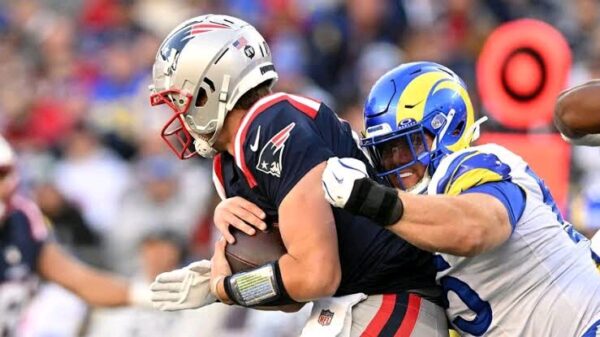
22,235
281,139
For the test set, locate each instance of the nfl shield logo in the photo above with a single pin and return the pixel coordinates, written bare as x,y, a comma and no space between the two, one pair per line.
325,317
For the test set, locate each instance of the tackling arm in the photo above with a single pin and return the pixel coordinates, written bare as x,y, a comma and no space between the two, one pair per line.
468,221
464,225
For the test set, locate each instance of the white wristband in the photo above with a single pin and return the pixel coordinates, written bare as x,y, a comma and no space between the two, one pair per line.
587,140
140,295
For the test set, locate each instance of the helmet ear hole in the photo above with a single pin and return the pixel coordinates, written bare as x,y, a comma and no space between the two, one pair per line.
459,129
201,98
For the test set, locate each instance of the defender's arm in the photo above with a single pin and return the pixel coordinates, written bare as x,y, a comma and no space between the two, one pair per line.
464,225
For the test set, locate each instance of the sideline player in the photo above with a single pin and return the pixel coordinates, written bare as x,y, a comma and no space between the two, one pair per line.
215,73
506,263
27,252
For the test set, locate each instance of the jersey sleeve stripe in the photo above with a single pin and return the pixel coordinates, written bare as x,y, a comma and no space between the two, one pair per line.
38,227
450,171
472,178
217,177
240,136
473,169
309,106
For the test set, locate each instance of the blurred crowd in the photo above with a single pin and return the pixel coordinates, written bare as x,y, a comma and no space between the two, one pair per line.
74,103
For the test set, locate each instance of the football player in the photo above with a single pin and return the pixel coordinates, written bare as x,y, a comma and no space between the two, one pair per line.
506,263
28,252
215,73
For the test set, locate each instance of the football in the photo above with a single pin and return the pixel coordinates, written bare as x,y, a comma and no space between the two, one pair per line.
251,251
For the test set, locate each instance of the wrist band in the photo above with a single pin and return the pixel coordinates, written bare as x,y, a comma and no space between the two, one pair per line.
376,202
260,286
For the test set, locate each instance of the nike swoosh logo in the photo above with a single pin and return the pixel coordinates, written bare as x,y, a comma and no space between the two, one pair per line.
254,147
338,179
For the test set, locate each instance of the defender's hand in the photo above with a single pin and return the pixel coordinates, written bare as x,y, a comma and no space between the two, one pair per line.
186,288
339,177
239,213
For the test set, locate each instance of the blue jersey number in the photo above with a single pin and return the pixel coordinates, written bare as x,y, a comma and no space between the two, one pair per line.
482,309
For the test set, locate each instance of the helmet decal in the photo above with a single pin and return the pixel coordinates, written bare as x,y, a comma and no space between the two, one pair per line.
172,46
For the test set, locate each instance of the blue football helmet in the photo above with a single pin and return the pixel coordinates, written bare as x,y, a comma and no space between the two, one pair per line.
412,101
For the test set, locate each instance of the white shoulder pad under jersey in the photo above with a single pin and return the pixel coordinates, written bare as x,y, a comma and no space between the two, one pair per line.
541,282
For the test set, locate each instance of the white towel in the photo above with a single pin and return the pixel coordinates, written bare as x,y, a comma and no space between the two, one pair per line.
332,316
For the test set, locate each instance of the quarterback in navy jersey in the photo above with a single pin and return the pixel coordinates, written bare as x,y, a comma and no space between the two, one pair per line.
28,253
282,138
270,149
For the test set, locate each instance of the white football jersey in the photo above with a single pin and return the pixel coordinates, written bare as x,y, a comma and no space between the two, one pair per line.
542,282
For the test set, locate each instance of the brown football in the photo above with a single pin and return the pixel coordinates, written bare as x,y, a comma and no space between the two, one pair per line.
251,251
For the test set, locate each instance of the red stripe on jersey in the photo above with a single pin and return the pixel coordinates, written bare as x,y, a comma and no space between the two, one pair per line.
308,110
218,180
260,106
381,317
410,317
38,227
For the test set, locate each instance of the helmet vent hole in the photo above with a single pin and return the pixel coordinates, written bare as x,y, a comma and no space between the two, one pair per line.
201,98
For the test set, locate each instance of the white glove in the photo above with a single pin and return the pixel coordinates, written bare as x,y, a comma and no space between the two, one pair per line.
338,179
186,288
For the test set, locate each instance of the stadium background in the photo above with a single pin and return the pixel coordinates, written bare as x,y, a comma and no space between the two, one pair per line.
74,103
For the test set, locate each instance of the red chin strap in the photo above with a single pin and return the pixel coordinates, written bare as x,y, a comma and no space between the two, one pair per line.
174,133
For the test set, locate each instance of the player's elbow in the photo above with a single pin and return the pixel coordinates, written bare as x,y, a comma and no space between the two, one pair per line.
471,242
324,280
484,233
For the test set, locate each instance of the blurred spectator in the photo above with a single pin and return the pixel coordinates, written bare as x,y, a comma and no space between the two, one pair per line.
160,250
70,229
336,38
160,199
93,178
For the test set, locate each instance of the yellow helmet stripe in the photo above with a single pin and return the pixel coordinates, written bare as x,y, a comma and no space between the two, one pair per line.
413,99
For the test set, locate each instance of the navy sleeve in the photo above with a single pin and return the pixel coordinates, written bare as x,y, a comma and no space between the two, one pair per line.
282,145
509,194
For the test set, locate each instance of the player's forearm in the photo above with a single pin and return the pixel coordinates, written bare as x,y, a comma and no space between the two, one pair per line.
95,287
102,289
464,225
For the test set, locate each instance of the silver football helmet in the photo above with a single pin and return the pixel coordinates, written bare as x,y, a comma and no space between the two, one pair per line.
201,70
